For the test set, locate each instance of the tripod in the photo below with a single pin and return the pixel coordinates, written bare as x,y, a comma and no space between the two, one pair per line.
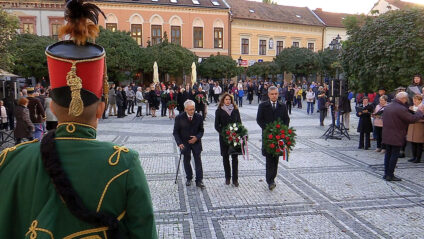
339,130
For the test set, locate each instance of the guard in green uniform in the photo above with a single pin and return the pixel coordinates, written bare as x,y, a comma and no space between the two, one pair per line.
70,185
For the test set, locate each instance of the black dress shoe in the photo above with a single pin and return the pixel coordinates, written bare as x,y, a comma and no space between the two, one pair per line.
402,155
394,178
417,161
235,183
384,177
411,160
360,147
272,186
200,185
188,183
227,181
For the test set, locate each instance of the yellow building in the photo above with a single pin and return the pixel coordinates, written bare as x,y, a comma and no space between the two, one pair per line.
260,31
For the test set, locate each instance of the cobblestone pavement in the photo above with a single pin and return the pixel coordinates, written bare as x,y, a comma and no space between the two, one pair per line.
328,189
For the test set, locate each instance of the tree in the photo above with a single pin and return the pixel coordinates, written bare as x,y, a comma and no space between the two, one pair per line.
327,59
121,54
301,62
171,58
29,58
386,50
264,69
8,26
218,67
268,2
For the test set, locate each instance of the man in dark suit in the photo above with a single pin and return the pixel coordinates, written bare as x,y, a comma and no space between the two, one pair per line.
188,132
268,112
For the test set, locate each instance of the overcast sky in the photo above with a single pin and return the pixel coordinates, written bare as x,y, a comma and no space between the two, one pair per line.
345,6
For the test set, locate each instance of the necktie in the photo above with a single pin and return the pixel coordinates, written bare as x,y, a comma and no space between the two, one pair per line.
190,119
273,105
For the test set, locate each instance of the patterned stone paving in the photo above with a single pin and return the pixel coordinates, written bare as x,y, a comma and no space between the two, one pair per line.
328,189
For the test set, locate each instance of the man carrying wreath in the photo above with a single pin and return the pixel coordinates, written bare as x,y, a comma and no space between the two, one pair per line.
268,112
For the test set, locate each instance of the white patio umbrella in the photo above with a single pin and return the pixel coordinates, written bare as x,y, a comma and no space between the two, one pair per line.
193,73
155,73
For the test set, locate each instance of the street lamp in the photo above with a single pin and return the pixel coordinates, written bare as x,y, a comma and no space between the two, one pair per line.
240,61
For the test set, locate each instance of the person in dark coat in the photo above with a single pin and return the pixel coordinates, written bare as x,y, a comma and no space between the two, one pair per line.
163,101
200,104
188,133
268,112
322,105
345,108
153,101
226,113
289,98
24,126
120,102
250,92
364,112
396,119
9,103
181,98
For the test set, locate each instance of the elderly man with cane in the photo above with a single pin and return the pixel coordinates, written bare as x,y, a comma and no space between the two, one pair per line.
396,118
188,132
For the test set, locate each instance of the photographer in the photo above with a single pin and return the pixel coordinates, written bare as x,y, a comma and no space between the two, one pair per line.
365,126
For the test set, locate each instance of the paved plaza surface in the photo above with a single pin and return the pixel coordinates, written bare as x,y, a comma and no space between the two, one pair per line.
328,189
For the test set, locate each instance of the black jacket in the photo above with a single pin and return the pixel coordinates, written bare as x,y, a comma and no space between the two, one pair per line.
183,129
290,95
222,119
365,124
344,105
267,115
181,98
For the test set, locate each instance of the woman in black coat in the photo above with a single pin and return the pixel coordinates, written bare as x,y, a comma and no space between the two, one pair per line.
365,125
120,102
181,98
153,101
227,113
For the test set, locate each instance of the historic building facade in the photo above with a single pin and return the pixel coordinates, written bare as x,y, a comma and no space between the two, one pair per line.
260,31
334,26
383,6
199,25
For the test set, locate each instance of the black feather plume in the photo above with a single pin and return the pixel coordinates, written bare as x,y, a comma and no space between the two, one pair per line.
78,9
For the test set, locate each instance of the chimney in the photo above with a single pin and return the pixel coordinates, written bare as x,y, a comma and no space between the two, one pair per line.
318,9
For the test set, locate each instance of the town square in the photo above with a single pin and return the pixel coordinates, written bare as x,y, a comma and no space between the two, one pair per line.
211,119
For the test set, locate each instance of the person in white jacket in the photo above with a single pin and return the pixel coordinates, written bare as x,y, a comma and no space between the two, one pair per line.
310,99
3,116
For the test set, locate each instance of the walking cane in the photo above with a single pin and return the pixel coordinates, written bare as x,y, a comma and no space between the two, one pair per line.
178,168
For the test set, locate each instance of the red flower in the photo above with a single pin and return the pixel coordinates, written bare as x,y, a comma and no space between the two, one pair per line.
277,137
237,140
278,150
282,131
278,126
290,131
281,143
228,132
272,146
270,136
230,138
287,138
289,143
283,136
234,134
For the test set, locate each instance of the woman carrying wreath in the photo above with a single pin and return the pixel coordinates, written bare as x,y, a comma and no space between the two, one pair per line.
226,113
171,101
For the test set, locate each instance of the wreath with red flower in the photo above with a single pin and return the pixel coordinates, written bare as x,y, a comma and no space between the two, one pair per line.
172,104
279,139
200,98
235,135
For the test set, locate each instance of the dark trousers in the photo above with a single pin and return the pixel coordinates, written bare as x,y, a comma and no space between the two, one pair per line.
139,110
227,167
390,159
271,169
322,115
417,150
299,102
379,137
216,98
289,106
121,111
197,164
3,126
163,109
130,106
11,121
259,98
364,140
202,112
51,125
211,96
240,101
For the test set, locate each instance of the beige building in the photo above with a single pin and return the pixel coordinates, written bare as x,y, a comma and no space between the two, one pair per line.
383,6
260,31
333,25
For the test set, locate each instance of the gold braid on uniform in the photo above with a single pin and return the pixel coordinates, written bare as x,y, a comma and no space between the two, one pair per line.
64,188
4,153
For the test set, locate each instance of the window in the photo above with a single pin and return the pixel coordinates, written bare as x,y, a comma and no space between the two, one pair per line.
156,34
215,3
311,46
196,2
28,28
244,46
295,44
173,1
136,33
55,31
262,47
198,37
218,38
280,47
112,27
176,34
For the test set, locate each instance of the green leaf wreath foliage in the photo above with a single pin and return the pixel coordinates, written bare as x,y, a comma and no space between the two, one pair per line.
172,104
200,98
233,134
278,138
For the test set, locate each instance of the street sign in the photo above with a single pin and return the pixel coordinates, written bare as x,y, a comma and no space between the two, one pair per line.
260,60
244,63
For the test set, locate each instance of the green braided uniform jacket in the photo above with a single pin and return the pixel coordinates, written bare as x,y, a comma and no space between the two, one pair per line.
107,177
